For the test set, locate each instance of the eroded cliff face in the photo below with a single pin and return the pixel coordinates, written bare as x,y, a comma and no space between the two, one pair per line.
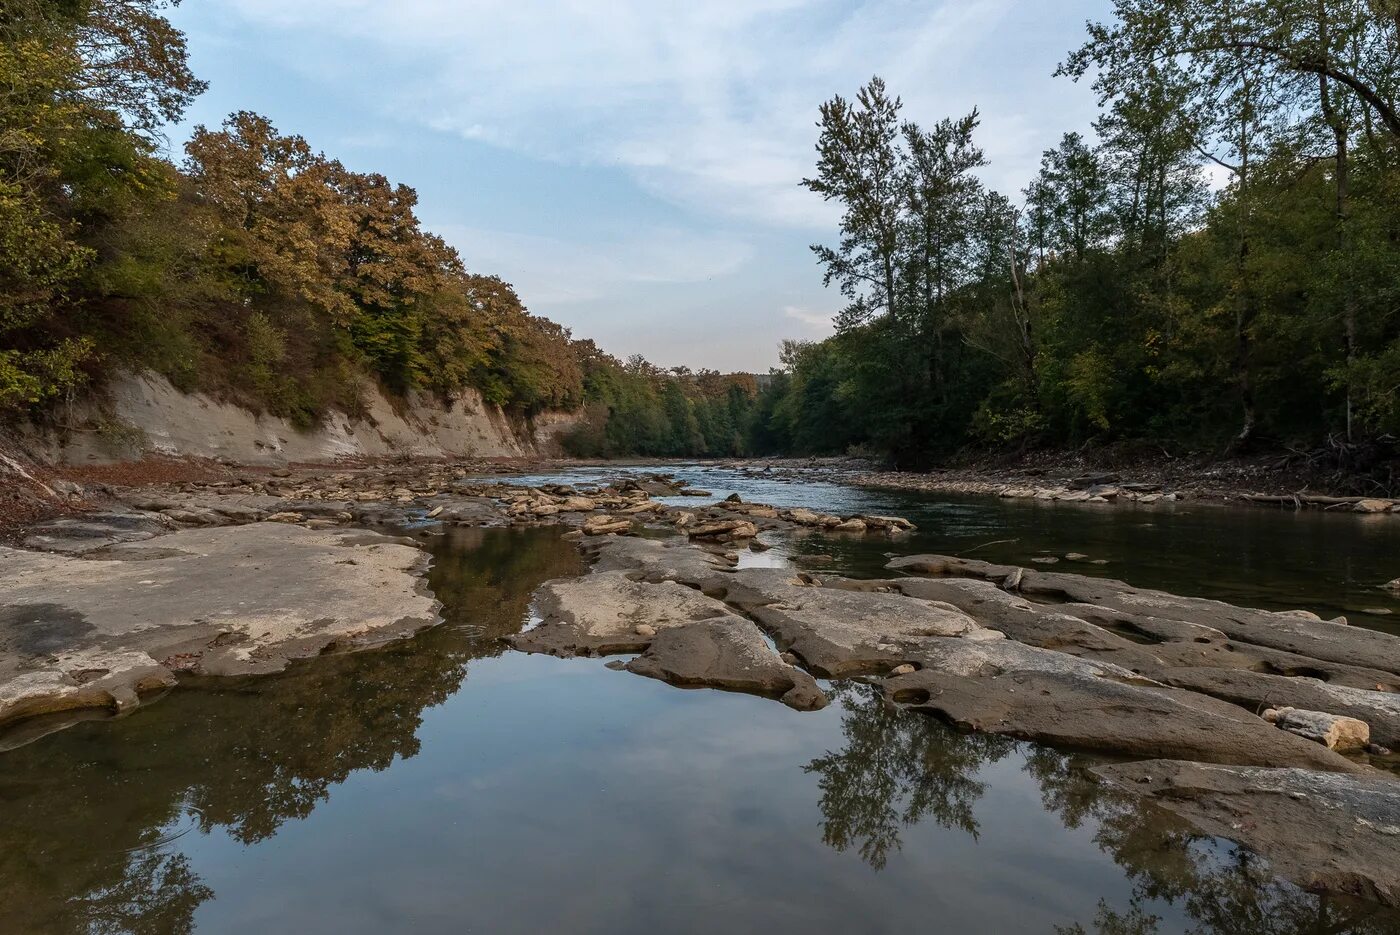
144,414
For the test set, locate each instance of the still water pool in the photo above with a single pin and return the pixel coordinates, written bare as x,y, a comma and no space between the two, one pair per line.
443,784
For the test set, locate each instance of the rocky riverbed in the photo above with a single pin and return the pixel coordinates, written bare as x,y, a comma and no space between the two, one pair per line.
1252,725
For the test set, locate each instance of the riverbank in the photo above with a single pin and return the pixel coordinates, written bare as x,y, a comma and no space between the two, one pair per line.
1268,481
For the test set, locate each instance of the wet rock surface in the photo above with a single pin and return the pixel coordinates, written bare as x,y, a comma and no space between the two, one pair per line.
1326,832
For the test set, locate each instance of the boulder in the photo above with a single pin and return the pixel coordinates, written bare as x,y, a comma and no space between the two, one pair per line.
608,612
724,530
1004,687
728,653
605,525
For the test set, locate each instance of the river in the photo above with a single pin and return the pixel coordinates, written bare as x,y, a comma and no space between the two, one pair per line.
444,784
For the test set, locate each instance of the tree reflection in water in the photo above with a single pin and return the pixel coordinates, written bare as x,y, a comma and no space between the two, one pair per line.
83,810
899,768
895,771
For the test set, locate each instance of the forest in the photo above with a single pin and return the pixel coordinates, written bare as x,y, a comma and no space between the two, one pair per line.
255,268
1216,266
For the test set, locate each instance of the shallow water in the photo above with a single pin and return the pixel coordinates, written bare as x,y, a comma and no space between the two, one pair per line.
443,785
1328,563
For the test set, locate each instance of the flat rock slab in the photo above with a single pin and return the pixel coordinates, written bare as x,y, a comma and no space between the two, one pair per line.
1326,832
1047,697
839,633
728,653
608,612
90,632
1257,690
93,531
1292,632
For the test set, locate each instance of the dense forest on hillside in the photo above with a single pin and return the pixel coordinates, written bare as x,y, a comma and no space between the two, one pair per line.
255,268
1217,266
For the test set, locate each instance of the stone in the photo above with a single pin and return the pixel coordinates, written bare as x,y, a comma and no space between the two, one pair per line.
905,669
1324,641
889,522
1004,687
838,633
1335,732
93,531
608,612
97,632
850,525
1378,710
729,653
724,530
1327,832
578,505
1374,506
605,525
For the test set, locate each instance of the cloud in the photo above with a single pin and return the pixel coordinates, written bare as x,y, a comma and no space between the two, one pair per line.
551,272
708,105
823,322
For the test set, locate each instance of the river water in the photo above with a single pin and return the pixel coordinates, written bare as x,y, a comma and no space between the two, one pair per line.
443,784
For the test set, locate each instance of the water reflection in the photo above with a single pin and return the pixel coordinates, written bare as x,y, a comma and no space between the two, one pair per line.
82,812
540,764
898,769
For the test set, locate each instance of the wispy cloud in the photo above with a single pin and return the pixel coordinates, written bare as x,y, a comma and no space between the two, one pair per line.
550,272
709,105
823,322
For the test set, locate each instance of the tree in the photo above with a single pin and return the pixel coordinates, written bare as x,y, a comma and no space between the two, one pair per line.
860,168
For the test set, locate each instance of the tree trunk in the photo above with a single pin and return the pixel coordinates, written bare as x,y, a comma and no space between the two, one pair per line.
1245,310
1343,182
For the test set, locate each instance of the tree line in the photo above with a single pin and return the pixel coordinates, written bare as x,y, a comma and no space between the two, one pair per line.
253,267
1218,264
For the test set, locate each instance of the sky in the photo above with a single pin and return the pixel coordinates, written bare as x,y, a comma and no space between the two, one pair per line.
633,167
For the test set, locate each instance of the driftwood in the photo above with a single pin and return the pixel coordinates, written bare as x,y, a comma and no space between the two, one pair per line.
1300,500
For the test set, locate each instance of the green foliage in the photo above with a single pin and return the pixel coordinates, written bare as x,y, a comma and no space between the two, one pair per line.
259,270
637,409
1124,299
